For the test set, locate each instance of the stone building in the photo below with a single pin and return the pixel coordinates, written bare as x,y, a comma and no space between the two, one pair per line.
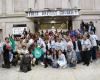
15,15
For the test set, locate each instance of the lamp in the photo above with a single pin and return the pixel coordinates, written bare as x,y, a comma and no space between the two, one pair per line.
53,21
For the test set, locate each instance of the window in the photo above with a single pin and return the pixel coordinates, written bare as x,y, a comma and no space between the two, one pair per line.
18,29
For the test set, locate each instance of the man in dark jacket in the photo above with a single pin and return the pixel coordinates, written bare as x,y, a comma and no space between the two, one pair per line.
92,27
6,49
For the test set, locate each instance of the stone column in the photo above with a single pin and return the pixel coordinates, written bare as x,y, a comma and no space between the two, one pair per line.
36,26
70,25
4,7
4,30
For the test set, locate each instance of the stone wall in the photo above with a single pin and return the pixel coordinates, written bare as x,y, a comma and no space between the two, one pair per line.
13,12
20,6
7,24
87,18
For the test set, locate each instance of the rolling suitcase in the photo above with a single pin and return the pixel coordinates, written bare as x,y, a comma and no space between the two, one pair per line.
25,64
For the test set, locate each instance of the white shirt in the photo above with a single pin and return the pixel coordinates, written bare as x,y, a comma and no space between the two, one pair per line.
86,44
40,42
62,60
49,46
53,44
89,29
23,51
93,39
31,41
58,45
77,49
64,45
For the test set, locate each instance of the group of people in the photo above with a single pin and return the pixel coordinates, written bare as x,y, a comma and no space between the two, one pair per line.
56,49
87,27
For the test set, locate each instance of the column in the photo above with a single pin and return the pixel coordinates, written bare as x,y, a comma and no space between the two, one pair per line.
4,7
36,26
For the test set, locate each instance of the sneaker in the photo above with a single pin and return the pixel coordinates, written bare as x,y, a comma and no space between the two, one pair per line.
45,66
84,63
42,63
87,64
3,66
33,65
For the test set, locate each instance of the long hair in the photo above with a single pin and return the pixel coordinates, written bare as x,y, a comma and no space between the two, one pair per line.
55,56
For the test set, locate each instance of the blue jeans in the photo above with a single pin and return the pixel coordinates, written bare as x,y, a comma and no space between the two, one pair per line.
78,55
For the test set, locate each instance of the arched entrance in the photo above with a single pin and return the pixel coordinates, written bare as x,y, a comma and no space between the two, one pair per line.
55,18
60,23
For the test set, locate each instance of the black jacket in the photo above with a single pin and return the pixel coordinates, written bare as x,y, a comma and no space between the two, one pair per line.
79,45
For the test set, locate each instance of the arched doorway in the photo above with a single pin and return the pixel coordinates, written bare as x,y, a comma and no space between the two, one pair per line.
47,23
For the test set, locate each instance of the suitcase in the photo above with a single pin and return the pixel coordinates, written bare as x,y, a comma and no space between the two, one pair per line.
25,64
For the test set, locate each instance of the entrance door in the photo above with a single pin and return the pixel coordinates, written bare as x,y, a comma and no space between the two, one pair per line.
54,25
59,23
1,35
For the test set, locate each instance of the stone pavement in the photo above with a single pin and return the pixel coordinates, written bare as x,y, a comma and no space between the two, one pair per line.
81,72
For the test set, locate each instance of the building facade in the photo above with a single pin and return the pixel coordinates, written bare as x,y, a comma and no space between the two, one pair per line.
18,14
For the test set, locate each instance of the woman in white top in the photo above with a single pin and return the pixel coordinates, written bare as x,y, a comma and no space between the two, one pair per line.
61,59
93,38
52,43
86,46
58,44
69,42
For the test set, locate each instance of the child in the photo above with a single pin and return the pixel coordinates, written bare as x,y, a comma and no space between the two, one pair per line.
24,50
